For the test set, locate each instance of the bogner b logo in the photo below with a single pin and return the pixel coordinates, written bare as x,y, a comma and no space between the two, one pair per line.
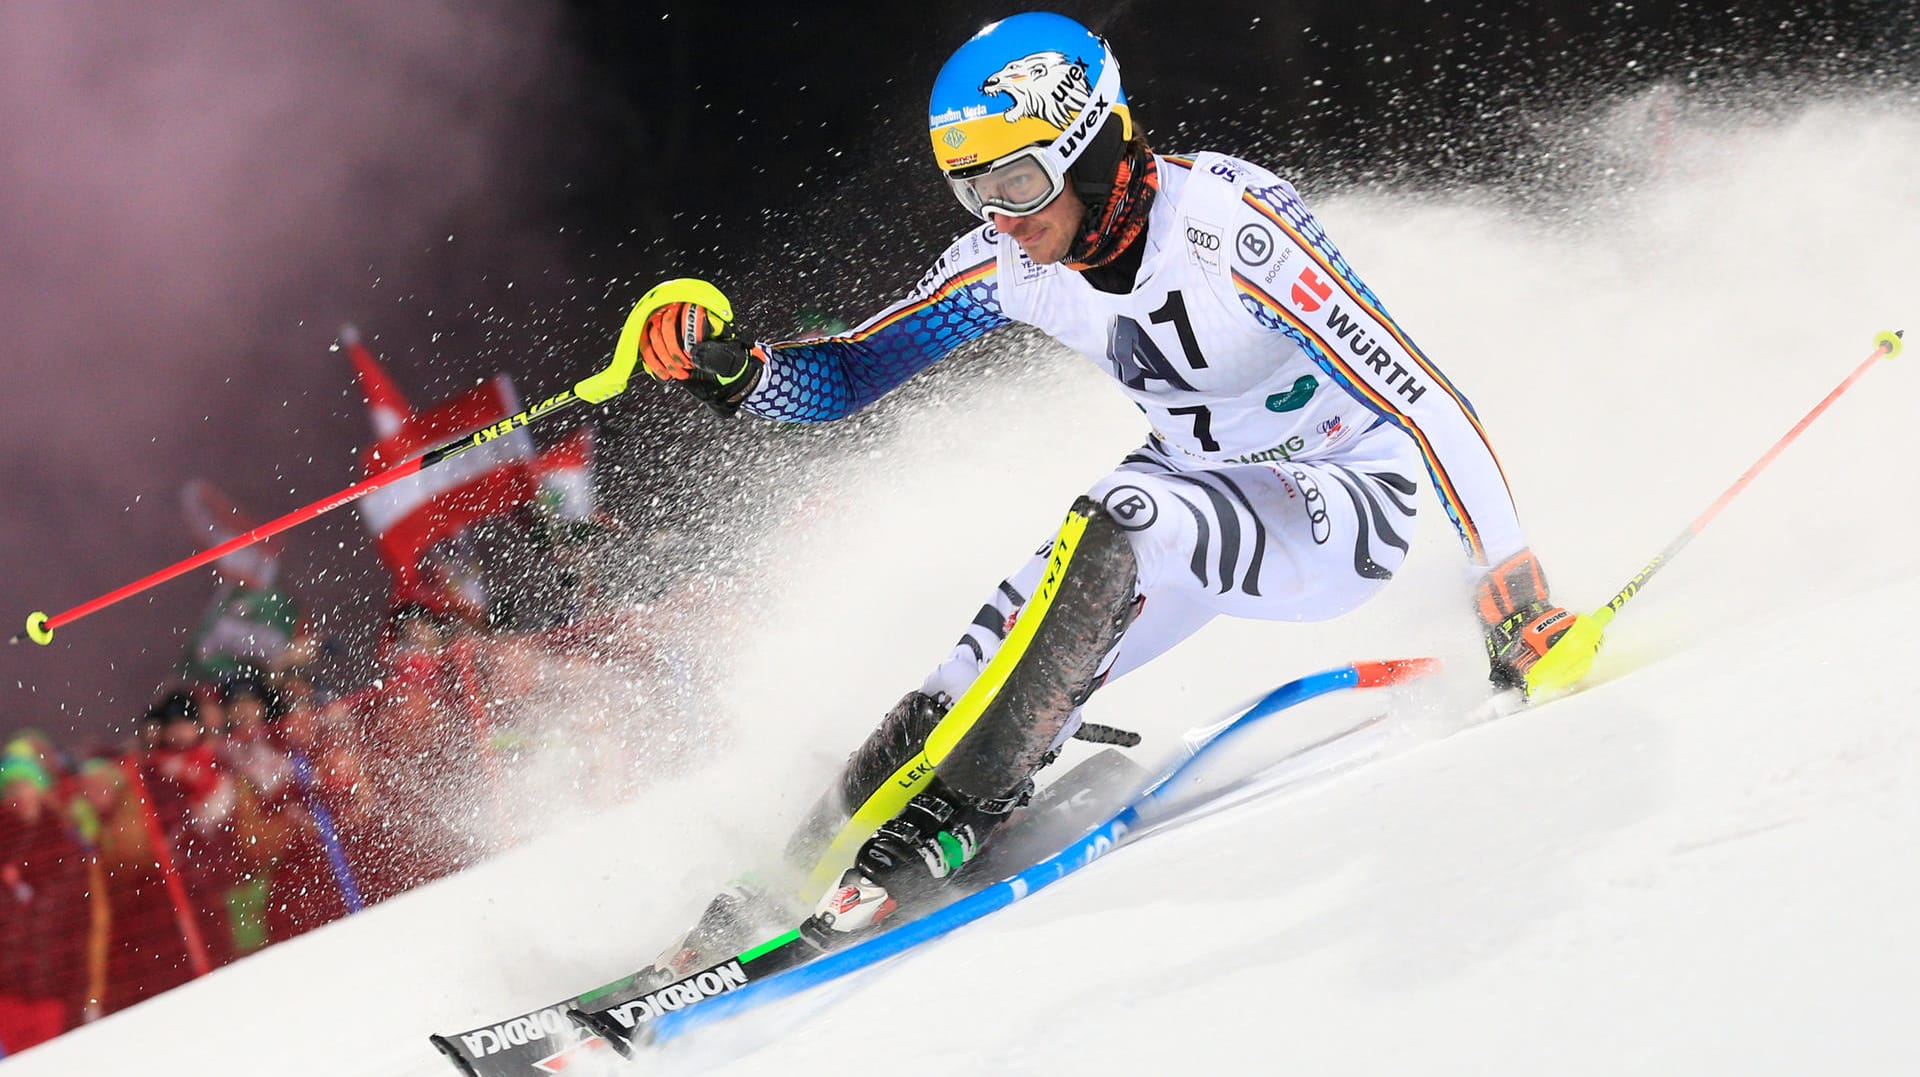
1131,508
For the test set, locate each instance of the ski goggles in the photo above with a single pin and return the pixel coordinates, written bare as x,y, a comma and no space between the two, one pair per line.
1021,183
1027,180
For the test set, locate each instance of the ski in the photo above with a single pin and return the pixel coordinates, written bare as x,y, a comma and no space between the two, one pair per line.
1136,817
636,1009
545,1041
1066,808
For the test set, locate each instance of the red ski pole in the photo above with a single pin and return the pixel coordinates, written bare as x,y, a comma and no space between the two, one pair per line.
1564,665
40,626
596,389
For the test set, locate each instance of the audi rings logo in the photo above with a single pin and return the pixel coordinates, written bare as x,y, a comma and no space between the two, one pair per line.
1130,508
1316,506
1206,241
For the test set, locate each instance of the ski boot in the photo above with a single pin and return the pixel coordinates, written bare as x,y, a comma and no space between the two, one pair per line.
909,860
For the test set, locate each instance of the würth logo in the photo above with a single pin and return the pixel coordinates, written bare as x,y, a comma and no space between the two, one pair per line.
1309,291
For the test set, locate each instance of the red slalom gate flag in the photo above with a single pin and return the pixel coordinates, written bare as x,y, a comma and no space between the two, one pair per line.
409,516
386,404
215,519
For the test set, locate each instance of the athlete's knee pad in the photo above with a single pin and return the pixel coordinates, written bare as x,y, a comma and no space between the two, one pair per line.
1104,583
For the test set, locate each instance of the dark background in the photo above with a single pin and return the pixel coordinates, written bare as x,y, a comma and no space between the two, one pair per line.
195,196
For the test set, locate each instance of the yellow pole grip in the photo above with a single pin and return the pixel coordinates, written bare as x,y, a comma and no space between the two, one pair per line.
612,381
1568,660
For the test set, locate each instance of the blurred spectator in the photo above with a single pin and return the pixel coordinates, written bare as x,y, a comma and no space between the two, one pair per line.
424,743
195,800
43,892
413,631
412,717
341,742
210,708
302,651
292,688
86,790
256,807
311,881
37,748
369,833
246,750
452,586
147,953
307,665
261,817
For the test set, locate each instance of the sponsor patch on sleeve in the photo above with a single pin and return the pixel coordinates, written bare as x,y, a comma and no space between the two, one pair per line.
1203,244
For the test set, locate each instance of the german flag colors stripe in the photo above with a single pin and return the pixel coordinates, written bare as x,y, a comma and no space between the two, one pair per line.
1381,402
910,307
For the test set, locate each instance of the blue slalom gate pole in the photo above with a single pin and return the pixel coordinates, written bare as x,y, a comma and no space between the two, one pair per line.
329,835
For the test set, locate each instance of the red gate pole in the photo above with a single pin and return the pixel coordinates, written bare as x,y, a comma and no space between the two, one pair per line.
163,855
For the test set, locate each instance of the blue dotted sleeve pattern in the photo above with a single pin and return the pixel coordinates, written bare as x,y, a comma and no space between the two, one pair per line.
814,381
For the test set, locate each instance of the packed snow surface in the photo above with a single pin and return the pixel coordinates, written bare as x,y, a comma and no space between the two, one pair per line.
1701,864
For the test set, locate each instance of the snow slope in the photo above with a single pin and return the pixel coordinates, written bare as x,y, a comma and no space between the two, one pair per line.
1699,865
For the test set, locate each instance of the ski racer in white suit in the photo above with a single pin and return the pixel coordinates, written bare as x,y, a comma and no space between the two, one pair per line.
1290,416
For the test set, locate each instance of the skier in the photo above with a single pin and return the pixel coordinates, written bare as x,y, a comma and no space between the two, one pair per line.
1289,413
